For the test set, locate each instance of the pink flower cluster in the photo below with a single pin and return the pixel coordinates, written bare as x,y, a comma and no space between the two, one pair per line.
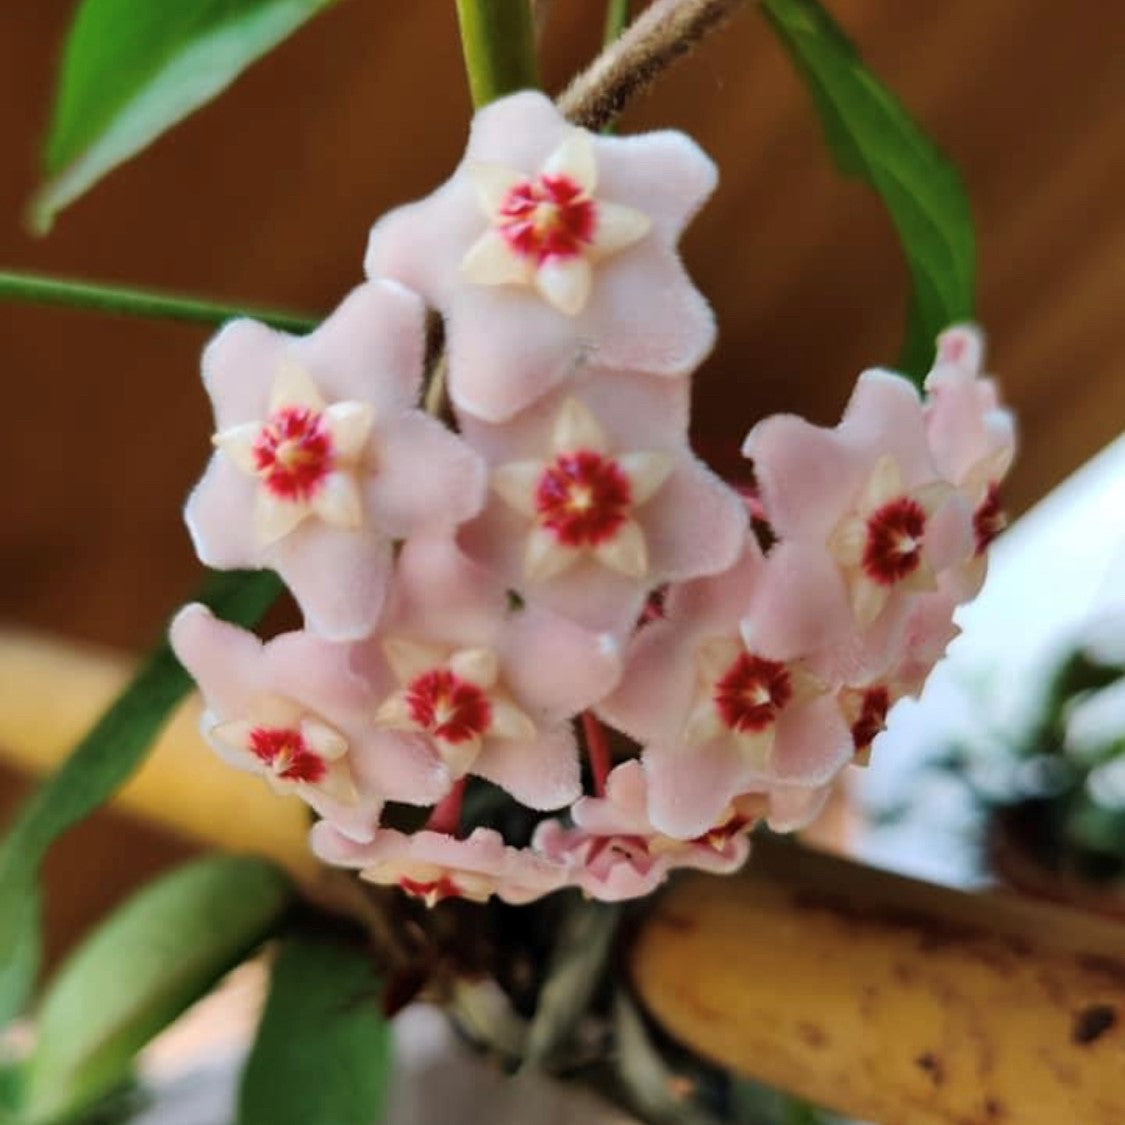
561,560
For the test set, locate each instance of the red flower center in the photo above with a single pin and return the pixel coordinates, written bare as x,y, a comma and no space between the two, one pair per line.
583,498
752,692
989,519
895,533
432,890
287,754
448,707
293,453
872,718
547,217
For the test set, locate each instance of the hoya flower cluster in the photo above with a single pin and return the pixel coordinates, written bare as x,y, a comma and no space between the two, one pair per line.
493,600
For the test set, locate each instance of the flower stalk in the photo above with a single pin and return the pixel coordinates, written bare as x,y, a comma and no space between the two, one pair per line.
41,289
498,40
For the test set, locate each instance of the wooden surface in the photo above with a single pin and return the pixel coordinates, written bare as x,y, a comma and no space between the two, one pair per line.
267,196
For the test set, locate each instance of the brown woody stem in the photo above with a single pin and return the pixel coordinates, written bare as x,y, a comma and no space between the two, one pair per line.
666,31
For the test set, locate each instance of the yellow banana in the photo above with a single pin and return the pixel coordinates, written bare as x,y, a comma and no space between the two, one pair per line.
889,999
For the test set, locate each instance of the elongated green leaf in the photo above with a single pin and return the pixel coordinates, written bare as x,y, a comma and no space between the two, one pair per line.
163,950
98,766
134,68
871,135
323,1049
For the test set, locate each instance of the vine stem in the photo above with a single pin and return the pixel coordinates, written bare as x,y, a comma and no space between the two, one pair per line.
597,748
666,31
498,40
44,290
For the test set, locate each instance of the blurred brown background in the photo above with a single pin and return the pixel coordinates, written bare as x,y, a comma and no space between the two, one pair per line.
266,197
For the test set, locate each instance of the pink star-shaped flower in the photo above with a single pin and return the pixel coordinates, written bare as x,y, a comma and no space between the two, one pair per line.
719,712
434,866
972,436
549,246
322,458
488,685
296,711
597,499
865,523
613,852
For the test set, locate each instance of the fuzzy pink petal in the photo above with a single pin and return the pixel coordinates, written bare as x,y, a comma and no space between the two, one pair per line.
949,534
646,315
624,809
716,603
219,517
655,695
338,577
800,604
541,773
812,743
884,416
689,790
370,348
239,366
556,668
695,525
805,474
425,477
795,807
520,131
224,660
665,174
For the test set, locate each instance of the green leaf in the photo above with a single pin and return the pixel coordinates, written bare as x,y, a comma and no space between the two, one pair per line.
96,768
323,1049
872,136
132,69
163,950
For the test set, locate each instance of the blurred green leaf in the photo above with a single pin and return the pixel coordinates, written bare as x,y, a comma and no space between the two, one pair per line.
163,950
96,768
323,1049
871,135
132,69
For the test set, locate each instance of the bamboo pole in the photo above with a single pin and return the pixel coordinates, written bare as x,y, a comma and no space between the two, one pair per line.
889,999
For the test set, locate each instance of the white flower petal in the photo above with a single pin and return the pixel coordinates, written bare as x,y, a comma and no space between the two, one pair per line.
350,425
617,226
491,261
849,541
338,501
703,725
476,665
275,518
516,482
564,283
237,445
459,756
626,552
868,599
492,182
714,658
545,556
576,428
575,159
338,784
646,472
294,386
756,747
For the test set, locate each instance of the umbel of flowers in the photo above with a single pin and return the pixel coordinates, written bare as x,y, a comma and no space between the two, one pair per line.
492,600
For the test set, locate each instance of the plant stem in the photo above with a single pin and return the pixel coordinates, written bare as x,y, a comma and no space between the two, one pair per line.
40,289
616,20
597,748
446,814
498,40
666,31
